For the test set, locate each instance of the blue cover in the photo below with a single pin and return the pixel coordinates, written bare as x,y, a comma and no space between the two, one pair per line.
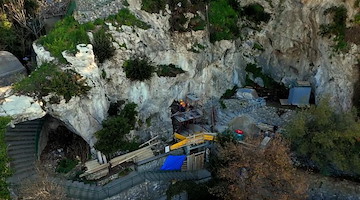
299,96
173,162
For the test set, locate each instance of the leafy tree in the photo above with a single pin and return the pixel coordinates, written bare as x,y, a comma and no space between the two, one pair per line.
328,138
258,174
112,137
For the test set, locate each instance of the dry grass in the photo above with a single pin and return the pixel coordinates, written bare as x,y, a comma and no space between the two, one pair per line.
42,188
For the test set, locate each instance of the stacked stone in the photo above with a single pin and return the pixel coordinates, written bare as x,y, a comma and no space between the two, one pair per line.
90,10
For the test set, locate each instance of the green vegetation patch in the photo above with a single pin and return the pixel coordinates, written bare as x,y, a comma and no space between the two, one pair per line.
169,70
357,18
257,72
328,138
229,93
357,4
7,33
138,69
258,46
125,17
223,21
66,34
5,170
153,6
112,137
337,27
48,78
256,13
196,23
66,165
103,48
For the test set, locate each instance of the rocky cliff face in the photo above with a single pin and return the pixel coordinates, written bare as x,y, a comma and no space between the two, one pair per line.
293,51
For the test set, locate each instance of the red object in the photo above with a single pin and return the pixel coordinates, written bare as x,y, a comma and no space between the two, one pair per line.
238,131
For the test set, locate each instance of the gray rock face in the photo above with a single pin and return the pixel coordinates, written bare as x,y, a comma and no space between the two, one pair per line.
293,51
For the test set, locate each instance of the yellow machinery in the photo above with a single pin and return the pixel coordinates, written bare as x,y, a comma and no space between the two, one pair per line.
193,139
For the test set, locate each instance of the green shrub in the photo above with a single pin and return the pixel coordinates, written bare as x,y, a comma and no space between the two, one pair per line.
65,165
138,69
153,6
112,137
103,48
357,18
169,70
223,21
229,93
129,112
357,3
196,23
125,17
48,78
337,27
222,104
330,139
7,33
5,170
257,72
255,12
66,34
258,47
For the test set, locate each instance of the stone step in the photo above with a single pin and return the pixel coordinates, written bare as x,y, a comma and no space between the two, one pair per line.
20,153
20,133
21,142
25,159
25,126
14,152
19,137
25,147
19,167
23,171
18,177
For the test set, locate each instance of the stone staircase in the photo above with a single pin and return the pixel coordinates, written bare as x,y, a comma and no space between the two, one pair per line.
80,190
21,141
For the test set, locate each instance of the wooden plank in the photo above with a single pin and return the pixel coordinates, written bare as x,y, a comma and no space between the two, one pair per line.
149,141
126,157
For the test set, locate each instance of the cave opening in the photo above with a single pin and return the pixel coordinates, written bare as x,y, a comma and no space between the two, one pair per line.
60,148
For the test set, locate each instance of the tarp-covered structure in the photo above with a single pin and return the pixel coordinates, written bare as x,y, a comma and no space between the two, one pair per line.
173,162
300,94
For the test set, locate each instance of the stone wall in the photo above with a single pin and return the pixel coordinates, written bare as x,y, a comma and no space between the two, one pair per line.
89,10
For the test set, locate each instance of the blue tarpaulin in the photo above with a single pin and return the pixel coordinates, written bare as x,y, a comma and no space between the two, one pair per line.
173,162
